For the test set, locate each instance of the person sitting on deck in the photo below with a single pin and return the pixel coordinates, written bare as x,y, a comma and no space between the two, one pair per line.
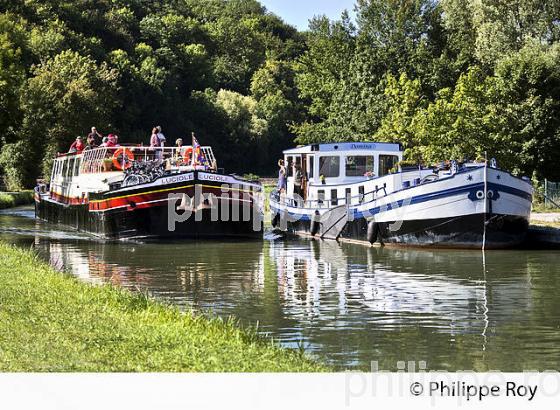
111,141
77,146
179,144
179,150
90,142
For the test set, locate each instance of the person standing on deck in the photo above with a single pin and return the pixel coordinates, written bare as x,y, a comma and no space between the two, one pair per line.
161,137
156,143
298,180
282,184
94,134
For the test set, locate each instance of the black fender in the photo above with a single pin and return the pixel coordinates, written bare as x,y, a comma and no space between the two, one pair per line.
315,223
372,232
276,219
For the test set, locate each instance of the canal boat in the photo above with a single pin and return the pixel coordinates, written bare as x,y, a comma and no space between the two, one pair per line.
135,192
360,192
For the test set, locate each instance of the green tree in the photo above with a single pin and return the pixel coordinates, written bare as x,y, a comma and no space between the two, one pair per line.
458,124
66,93
405,100
505,26
12,76
247,131
273,87
319,72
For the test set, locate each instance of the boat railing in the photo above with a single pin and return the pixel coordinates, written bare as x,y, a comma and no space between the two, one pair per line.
323,203
119,158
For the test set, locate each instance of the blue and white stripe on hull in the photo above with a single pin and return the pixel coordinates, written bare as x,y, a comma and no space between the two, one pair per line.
475,195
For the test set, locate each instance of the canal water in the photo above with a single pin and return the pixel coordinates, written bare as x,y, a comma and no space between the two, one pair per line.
345,304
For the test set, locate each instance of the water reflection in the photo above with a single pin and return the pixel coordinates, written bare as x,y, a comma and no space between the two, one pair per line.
350,305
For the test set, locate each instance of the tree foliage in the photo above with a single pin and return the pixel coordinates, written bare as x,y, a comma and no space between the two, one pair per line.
128,65
448,79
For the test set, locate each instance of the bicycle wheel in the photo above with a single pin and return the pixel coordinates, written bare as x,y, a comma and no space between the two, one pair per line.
131,180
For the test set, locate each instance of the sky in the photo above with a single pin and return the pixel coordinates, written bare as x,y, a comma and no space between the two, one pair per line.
298,12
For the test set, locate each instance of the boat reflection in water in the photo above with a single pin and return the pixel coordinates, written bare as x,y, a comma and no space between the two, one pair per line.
346,304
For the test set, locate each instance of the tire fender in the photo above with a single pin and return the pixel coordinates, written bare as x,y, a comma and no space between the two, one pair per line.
372,232
315,223
275,220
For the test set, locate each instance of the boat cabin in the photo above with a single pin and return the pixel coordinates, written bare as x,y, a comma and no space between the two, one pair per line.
337,164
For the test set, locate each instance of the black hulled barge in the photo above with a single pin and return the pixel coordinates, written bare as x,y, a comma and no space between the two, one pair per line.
133,192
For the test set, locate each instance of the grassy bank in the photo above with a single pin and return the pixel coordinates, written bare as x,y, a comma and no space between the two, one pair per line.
541,208
52,322
549,224
11,199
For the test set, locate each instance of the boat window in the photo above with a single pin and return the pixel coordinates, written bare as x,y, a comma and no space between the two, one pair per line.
64,166
361,192
311,166
348,196
359,165
386,163
70,169
334,197
77,167
290,166
320,196
329,167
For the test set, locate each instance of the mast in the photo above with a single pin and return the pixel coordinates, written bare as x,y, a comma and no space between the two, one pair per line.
485,200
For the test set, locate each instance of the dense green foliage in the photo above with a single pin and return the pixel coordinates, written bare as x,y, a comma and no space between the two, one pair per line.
450,79
11,199
221,68
53,322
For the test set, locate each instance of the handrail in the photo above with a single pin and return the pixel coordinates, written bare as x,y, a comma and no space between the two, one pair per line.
294,202
99,159
345,183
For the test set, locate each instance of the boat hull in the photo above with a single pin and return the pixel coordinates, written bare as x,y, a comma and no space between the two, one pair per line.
464,232
478,208
158,211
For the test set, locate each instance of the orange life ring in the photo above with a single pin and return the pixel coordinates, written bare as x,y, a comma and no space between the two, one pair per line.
123,155
187,156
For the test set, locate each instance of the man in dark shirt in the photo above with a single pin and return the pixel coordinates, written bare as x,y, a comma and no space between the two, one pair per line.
94,134
90,143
